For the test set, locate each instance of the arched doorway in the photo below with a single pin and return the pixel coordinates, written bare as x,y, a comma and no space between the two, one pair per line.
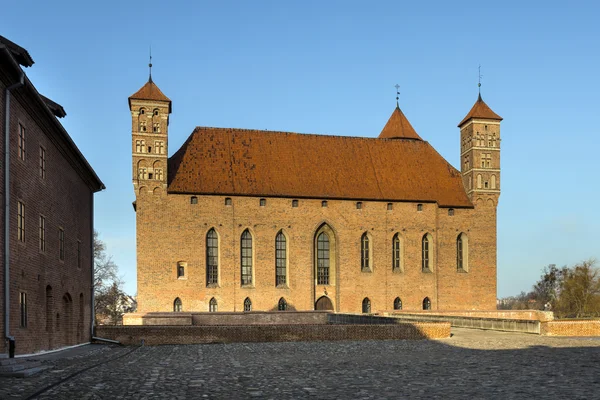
324,303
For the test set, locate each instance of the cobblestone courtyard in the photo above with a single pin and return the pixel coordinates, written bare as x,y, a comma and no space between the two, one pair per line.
472,364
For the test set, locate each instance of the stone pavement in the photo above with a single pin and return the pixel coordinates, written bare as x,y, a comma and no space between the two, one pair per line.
472,364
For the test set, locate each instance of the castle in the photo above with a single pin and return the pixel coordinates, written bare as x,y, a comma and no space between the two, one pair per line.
251,220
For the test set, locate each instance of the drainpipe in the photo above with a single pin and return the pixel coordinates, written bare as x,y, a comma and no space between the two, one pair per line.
11,339
92,313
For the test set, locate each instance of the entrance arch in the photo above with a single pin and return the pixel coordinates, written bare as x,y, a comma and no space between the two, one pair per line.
324,303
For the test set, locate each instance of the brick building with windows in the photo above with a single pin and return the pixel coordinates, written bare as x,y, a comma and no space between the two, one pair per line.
242,219
47,190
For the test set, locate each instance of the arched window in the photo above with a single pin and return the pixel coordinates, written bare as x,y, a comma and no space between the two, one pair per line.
247,304
280,259
397,303
246,258
426,303
323,259
396,255
212,257
366,306
177,306
462,252
479,181
493,181
282,305
426,253
142,111
365,256
155,112
212,305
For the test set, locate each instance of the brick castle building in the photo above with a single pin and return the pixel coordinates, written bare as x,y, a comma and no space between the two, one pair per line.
47,190
242,219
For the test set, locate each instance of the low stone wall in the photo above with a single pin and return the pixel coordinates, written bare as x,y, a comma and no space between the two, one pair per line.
261,318
160,319
530,315
156,335
495,324
571,328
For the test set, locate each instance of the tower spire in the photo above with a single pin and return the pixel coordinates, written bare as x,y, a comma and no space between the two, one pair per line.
397,95
479,83
150,66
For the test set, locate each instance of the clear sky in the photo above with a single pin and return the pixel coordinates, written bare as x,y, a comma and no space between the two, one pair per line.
330,67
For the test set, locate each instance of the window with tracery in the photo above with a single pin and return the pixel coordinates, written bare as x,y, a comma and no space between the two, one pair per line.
212,257
246,258
323,259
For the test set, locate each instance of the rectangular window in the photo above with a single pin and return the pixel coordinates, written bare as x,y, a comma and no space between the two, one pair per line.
23,306
42,163
180,271
79,254
61,243
21,142
280,259
42,233
263,202
294,203
246,258
20,221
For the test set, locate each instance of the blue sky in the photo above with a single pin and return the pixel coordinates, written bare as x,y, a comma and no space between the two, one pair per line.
330,67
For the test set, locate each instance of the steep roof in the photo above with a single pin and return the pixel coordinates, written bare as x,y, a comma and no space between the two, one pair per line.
282,164
480,110
56,108
398,127
20,54
149,92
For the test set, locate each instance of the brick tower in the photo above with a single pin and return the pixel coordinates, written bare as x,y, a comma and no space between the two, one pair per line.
480,153
150,110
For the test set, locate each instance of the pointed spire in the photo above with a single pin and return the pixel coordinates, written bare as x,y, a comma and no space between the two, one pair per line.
480,110
150,65
397,95
398,127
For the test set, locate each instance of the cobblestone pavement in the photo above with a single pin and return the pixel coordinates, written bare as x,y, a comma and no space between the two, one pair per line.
472,364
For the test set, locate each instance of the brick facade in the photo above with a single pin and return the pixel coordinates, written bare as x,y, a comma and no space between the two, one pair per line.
571,328
172,230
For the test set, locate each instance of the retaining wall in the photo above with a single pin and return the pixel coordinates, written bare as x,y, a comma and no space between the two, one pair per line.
496,324
571,328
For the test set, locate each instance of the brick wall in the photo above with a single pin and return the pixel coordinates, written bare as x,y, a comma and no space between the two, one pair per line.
531,315
571,328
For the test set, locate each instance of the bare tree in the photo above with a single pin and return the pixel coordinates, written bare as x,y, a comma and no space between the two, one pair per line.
580,291
108,294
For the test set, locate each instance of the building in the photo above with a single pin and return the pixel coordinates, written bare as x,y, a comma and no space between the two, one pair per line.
47,188
242,219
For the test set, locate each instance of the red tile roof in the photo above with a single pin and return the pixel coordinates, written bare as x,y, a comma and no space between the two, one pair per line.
398,127
248,162
480,110
150,92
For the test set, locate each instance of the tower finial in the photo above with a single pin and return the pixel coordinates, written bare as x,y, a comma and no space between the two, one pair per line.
150,65
397,95
479,84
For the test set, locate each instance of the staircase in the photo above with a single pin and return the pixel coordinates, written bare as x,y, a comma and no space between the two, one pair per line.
20,367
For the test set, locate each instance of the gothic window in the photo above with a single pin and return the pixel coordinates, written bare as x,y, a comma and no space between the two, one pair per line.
21,142
23,306
155,112
42,163
426,259
42,233
212,305
426,303
140,146
365,250
280,259
247,304
282,305
156,127
246,258
462,252
142,173
20,221
212,257
493,181
479,181
142,111
366,306
159,147
396,255
143,126
158,174
323,259
397,303
177,306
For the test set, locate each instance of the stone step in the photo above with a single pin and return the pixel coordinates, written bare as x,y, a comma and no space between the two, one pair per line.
19,366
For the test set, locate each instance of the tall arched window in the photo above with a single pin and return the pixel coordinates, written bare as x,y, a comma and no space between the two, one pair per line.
396,255
247,304
426,303
365,254
323,259
177,306
462,252
212,305
246,258
212,257
479,181
282,305
493,181
366,306
280,259
397,303
426,253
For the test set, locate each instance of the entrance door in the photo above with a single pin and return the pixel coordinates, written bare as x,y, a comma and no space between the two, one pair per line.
323,303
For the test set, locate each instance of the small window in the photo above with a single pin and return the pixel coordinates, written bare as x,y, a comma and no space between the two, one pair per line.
365,250
23,306
282,305
193,200
42,233
228,201
294,203
366,306
180,270
61,244
149,149
263,202
212,305
359,205
390,206
247,304
155,112
426,303
150,175
485,184
21,141
177,306
324,203
419,207
142,111
20,221
451,212
42,163
397,303
79,254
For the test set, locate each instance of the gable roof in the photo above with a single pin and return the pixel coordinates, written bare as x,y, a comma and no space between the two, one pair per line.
248,162
56,108
480,110
398,127
149,92
20,54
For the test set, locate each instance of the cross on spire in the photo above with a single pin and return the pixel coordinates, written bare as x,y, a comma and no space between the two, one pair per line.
397,94
150,65
480,76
